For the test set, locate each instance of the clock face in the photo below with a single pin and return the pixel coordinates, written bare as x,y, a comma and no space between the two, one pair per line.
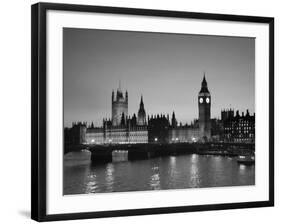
201,100
207,100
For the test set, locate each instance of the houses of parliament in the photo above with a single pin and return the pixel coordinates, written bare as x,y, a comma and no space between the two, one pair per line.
123,128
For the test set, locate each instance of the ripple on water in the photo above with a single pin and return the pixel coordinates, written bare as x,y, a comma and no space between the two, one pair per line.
175,172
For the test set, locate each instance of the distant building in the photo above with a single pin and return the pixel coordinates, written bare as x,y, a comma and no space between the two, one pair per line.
122,129
204,104
140,128
75,135
162,130
95,135
216,129
227,114
158,129
122,134
184,133
238,128
200,130
119,107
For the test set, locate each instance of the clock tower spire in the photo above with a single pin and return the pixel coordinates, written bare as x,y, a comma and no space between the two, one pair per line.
204,105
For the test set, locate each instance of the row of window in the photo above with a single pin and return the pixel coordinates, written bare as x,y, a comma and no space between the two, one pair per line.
239,136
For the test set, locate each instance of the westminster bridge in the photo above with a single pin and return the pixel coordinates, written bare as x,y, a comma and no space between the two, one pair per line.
111,152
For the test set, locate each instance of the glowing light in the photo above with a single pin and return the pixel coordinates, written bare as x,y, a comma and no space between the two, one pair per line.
193,139
172,160
194,157
93,140
156,139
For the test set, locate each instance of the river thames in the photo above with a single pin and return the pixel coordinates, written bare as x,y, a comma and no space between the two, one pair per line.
170,172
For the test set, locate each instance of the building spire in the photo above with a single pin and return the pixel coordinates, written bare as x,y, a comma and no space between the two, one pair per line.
141,104
141,114
204,82
174,120
204,85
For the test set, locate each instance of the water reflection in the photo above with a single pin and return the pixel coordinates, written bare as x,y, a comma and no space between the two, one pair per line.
92,184
174,172
173,168
155,181
194,171
242,168
109,176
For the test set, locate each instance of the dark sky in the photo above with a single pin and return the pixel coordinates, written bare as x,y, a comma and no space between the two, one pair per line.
167,69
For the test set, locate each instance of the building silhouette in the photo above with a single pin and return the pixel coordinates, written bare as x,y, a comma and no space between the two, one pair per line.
141,114
158,128
119,106
204,105
121,128
75,135
174,120
125,129
238,128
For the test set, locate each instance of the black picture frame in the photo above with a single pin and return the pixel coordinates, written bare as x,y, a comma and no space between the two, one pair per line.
39,122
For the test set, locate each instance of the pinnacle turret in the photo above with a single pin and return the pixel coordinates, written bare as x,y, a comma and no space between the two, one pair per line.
141,113
204,85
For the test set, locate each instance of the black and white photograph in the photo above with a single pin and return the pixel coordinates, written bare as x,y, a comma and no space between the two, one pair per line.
145,111
139,111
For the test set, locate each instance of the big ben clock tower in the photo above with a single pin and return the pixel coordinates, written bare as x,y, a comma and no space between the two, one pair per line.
204,105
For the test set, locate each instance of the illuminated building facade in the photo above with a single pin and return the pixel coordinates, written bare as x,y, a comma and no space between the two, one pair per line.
121,129
238,128
140,128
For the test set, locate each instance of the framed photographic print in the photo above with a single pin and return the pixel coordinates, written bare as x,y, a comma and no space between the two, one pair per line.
138,111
